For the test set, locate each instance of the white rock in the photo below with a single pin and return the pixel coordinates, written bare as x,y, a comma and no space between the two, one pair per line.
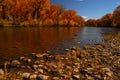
39,55
43,77
33,76
35,67
33,53
76,76
26,75
109,74
37,62
21,58
29,60
1,72
106,69
55,78
15,63
40,70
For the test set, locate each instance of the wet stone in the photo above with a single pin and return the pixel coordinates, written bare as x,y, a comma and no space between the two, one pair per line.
55,78
35,67
77,77
33,76
43,77
1,72
15,63
40,70
21,58
26,75
39,56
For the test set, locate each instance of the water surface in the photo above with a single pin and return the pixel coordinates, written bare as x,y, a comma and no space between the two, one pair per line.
16,42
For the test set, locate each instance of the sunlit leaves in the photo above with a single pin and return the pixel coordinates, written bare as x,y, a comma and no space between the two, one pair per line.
116,17
108,20
38,12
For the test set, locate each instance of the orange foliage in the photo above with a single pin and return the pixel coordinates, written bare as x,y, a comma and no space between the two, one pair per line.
40,10
108,20
116,17
91,22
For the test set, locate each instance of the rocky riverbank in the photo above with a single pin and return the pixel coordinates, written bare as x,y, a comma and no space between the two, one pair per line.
94,62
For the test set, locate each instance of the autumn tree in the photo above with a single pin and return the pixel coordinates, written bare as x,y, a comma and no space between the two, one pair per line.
79,21
38,12
116,17
69,15
39,7
91,22
2,6
106,20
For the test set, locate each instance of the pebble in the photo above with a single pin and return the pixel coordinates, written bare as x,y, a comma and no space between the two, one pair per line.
1,72
55,78
29,60
39,56
26,75
76,77
35,67
33,76
15,63
21,58
40,70
43,77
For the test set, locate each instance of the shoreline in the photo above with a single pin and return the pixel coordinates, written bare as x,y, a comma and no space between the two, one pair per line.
100,61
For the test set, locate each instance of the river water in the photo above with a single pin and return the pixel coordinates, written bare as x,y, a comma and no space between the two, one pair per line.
16,42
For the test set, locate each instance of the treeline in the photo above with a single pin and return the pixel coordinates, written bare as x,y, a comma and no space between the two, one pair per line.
37,12
108,20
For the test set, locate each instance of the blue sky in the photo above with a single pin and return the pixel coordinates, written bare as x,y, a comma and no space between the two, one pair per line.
89,8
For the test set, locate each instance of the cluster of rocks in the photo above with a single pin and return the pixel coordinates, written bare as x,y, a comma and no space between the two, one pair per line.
96,62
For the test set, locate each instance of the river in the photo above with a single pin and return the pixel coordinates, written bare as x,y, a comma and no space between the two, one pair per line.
16,42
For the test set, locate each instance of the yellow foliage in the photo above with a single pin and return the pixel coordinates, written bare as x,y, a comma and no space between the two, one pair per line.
48,22
63,22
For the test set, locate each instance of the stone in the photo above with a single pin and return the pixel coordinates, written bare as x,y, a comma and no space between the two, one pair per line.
106,70
15,63
23,66
28,67
21,58
40,70
29,60
43,77
76,77
109,74
33,76
55,78
33,53
39,56
73,48
1,72
55,66
26,75
40,66
37,62
35,67
67,49
48,52
76,70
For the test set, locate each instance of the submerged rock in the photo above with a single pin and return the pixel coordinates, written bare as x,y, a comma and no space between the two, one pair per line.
15,63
